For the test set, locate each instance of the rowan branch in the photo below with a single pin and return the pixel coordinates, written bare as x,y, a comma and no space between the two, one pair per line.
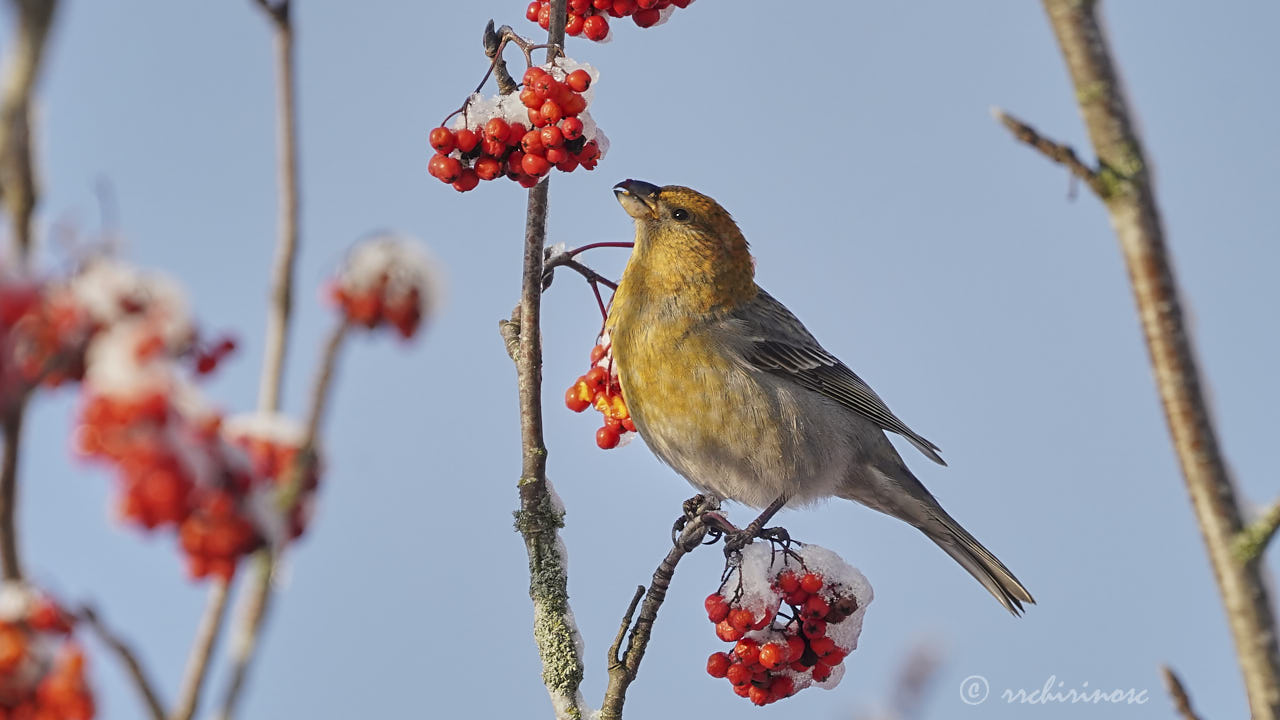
128,658
11,420
624,665
1135,217
1057,152
1181,701
207,633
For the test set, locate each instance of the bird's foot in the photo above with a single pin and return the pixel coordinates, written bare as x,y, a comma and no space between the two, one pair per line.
704,507
735,540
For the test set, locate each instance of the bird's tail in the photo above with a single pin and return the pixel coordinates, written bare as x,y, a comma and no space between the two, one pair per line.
978,560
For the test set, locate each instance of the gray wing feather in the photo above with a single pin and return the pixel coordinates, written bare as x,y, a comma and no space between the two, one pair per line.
780,344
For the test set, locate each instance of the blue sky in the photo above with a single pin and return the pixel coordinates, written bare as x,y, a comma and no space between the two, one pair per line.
941,260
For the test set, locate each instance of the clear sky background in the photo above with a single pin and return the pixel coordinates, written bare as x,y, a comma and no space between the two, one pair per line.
940,259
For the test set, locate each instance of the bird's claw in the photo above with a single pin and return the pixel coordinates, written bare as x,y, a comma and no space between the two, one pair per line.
736,539
700,506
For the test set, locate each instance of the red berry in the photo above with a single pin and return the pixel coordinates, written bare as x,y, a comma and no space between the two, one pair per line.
822,646
531,12
552,137
833,658
814,628
742,690
727,632
772,655
815,608
821,672
646,18
738,674
532,143
557,155
741,618
529,97
597,354
573,105
573,26
535,118
748,651
597,377
811,582
717,608
595,28
623,8
788,582
488,168
497,129
517,131
466,140
573,400
795,648
206,363
544,17
758,695
445,168
571,128
579,6
718,665
467,180
579,80
551,112
569,164
526,181
782,686
606,438
515,162
602,4
441,139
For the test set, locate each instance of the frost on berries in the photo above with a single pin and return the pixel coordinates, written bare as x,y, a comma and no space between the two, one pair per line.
590,18
522,136
792,615
387,280
599,388
178,465
41,666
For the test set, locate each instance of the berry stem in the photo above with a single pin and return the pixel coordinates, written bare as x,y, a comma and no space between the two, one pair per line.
129,659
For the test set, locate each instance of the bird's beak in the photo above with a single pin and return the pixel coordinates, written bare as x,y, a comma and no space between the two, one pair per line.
638,198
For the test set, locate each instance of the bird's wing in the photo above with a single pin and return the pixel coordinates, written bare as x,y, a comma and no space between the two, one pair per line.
778,343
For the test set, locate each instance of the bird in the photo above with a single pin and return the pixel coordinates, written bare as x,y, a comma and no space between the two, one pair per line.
729,388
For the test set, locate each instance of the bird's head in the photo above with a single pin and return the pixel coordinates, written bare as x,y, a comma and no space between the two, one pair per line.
687,236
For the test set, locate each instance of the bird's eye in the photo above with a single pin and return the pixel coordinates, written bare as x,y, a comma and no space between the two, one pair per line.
680,214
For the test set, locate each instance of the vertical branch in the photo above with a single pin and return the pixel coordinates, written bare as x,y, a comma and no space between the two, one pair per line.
286,251
10,563
1126,189
22,68
257,595
19,193
540,515
277,337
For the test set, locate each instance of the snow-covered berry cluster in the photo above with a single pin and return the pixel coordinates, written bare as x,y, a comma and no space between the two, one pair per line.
599,388
522,136
41,667
387,280
793,615
178,466
42,336
588,17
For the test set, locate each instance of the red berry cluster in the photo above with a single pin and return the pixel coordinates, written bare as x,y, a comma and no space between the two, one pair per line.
599,388
587,17
493,140
273,447
386,280
788,634
41,668
42,337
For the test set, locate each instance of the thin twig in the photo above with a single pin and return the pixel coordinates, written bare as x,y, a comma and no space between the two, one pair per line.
278,315
10,561
624,666
1057,152
1135,218
129,659
257,594
206,640
615,650
1181,701
18,182
1254,538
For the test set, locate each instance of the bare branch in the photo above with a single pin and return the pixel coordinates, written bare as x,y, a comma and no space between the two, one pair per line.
1181,701
623,668
131,662
1057,152
1254,538
21,70
10,562
202,650
1135,217
615,650
278,315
